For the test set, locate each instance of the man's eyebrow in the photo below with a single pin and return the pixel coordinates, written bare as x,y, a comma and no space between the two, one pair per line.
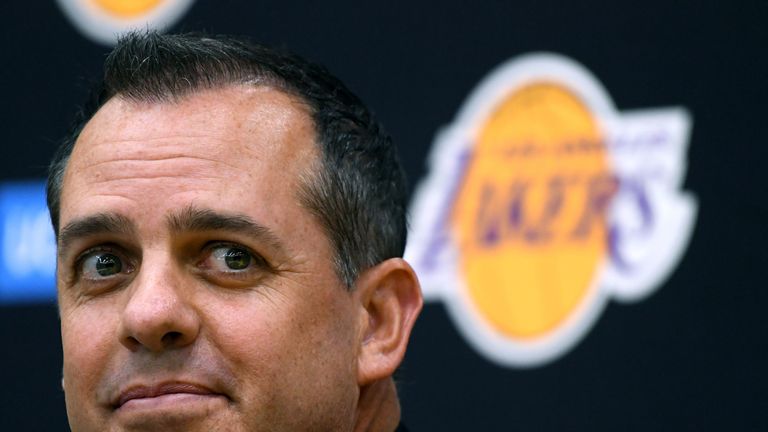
93,225
193,219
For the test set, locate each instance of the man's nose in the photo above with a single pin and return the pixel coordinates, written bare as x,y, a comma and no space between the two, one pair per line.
158,315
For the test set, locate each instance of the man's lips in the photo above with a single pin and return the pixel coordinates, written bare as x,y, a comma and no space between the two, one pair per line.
141,392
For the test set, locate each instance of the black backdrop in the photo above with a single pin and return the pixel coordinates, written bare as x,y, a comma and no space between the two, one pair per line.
692,356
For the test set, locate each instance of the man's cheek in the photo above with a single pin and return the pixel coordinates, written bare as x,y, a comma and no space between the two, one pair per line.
78,383
86,349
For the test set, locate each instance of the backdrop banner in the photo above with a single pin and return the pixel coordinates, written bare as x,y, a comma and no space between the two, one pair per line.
587,215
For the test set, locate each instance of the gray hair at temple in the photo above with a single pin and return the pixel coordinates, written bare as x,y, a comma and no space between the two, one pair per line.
358,192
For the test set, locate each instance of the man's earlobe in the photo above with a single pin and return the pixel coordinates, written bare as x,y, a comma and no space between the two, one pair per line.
390,300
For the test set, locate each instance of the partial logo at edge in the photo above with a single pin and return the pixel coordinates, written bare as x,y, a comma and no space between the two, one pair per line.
104,20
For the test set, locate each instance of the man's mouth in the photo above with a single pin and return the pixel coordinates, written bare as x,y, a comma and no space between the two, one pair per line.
164,393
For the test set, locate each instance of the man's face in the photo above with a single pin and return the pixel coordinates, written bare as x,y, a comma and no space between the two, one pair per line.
196,293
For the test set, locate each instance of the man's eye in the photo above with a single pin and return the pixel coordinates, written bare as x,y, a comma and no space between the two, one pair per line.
228,258
101,265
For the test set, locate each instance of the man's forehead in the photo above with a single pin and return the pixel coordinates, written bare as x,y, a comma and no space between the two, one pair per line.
226,111
239,140
230,125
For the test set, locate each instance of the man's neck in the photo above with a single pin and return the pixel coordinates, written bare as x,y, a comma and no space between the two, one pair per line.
379,408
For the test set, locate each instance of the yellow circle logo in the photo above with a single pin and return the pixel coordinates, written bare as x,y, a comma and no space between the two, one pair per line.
531,241
542,203
127,8
104,20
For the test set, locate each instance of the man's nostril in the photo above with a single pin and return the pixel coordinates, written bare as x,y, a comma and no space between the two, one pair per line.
171,337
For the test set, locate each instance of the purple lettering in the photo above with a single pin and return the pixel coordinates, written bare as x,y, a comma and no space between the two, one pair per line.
634,191
600,191
540,231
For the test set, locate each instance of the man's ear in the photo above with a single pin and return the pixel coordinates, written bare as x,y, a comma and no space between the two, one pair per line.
390,300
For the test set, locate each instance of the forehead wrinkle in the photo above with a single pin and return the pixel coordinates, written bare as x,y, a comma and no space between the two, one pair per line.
120,169
147,152
93,225
115,170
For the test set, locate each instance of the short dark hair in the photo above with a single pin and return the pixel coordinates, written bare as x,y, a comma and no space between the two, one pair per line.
357,193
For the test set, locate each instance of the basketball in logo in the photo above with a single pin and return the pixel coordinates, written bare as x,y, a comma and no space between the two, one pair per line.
104,20
542,202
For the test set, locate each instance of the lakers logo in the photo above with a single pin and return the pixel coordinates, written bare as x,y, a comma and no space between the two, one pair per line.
542,203
104,20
